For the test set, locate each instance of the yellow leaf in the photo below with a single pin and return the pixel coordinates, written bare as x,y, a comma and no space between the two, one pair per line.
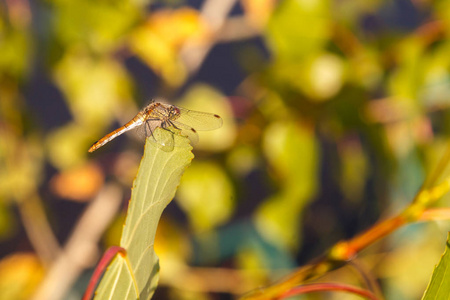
258,11
19,276
160,39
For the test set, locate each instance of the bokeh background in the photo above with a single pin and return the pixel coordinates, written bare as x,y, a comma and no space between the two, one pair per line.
334,113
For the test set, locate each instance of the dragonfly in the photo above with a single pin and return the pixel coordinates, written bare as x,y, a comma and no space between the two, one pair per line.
171,119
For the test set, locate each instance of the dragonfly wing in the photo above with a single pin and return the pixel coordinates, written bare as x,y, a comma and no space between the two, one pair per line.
198,120
162,138
188,132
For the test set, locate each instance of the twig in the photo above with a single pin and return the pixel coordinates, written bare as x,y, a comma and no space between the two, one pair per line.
38,229
345,251
235,29
81,249
436,214
214,12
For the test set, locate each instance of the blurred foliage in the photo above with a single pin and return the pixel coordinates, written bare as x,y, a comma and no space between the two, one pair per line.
20,273
439,283
206,195
335,113
159,40
277,217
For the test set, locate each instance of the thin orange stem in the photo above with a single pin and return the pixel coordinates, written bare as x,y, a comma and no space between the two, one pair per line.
435,214
346,250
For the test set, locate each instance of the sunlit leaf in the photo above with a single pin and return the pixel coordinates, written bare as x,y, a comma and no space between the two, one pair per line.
319,75
322,76
98,25
114,232
439,286
293,154
292,151
206,195
67,145
14,49
96,91
158,177
299,27
406,81
242,160
94,87
174,249
172,243
205,98
19,276
159,40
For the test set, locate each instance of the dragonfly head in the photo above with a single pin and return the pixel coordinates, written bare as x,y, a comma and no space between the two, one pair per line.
174,111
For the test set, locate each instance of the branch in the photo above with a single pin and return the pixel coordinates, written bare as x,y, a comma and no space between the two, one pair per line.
345,251
38,229
214,12
81,248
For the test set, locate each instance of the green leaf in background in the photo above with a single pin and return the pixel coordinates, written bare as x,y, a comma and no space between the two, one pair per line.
206,195
154,187
293,154
99,25
15,50
439,286
298,28
297,34
97,91
203,97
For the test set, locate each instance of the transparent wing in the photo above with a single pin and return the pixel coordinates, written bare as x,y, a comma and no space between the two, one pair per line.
162,138
198,120
187,131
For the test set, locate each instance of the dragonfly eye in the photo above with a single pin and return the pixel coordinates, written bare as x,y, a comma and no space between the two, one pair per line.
174,111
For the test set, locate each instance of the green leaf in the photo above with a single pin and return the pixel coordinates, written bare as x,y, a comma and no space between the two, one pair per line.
206,196
298,28
154,187
99,25
439,286
293,154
